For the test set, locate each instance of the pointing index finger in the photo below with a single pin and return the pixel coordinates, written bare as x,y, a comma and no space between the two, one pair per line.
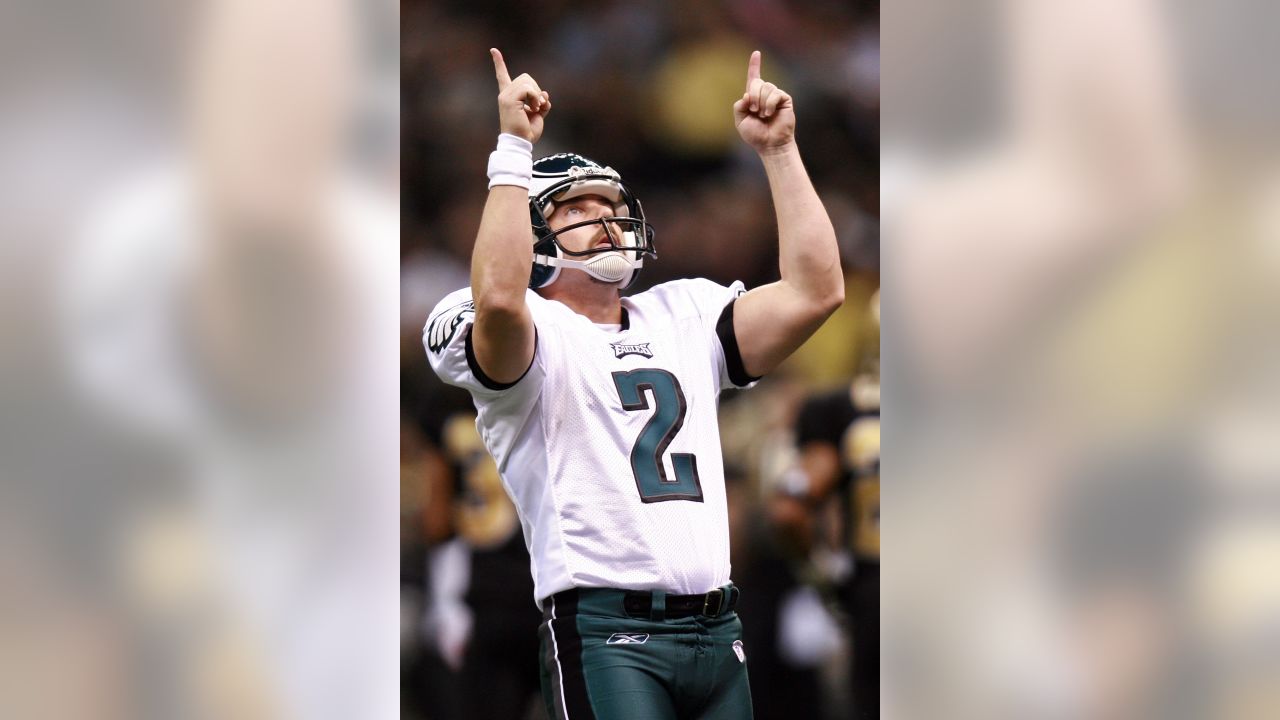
753,68
500,69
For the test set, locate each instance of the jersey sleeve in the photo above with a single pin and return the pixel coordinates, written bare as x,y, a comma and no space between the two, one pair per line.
447,339
715,306
502,408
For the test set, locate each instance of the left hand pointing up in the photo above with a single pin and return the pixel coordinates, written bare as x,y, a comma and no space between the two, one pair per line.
764,115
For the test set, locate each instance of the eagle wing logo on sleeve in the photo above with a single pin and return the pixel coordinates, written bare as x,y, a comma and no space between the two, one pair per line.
441,328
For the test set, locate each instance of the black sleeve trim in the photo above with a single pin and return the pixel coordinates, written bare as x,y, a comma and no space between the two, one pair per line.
732,356
487,381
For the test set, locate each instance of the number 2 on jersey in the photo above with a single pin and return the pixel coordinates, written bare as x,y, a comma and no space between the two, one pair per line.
668,417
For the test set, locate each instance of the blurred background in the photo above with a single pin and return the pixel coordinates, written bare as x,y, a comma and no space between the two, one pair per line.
198,323
1079,242
647,88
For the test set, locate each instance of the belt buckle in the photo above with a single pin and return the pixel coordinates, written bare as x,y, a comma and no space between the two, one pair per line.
706,603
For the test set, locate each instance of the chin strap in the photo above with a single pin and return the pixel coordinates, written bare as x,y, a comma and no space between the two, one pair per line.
611,267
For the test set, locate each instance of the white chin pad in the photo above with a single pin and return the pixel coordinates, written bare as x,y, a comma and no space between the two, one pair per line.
609,267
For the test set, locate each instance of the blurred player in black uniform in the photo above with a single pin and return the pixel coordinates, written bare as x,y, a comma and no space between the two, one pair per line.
498,679
474,561
838,435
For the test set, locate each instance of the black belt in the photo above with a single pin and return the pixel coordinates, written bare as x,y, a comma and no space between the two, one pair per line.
712,604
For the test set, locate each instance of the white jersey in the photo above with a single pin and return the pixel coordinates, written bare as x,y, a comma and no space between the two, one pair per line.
609,444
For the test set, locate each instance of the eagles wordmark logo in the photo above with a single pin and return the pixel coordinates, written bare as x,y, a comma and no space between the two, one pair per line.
622,350
442,327
627,639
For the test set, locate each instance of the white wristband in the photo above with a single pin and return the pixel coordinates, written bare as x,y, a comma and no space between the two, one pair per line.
512,162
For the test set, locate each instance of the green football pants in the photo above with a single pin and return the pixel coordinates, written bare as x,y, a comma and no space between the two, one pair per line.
601,662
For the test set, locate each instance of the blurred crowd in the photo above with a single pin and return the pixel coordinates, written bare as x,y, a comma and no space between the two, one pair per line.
647,88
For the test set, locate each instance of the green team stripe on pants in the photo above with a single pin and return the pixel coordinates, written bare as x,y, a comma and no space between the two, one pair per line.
601,664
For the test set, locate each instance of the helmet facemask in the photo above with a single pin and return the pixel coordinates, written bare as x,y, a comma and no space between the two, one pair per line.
629,236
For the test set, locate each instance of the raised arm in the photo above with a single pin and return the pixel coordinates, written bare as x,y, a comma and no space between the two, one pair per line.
773,320
503,334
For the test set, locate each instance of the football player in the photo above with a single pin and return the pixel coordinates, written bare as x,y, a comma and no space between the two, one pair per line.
600,410
838,439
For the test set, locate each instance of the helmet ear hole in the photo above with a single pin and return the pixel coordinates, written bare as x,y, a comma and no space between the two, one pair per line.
543,275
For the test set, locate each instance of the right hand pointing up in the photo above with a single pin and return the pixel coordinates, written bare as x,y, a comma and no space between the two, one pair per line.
522,105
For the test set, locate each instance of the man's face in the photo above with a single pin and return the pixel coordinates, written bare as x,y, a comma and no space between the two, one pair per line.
581,209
